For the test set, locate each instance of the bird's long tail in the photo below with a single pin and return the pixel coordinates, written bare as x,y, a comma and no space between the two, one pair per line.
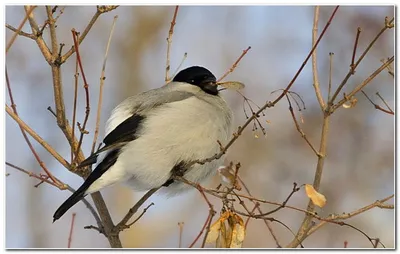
70,202
101,168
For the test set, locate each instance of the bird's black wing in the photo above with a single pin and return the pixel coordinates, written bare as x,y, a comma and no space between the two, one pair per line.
117,138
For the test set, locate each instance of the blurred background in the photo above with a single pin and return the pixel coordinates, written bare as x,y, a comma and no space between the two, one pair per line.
359,168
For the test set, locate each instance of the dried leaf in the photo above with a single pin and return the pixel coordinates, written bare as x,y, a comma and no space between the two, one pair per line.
232,85
214,231
238,233
317,198
228,231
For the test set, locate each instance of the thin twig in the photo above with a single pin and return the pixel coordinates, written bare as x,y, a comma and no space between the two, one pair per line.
180,224
169,42
140,216
76,82
384,101
331,54
102,78
355,49
352,69
314,60
303,135
38,36
377,106
28,142
18,30
21,33
180,65
211,214
234,65
201,231
100,10
86,87
71,230
35,136
122,224
361,86
62,186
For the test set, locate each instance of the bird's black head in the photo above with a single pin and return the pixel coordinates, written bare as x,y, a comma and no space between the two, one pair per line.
200,77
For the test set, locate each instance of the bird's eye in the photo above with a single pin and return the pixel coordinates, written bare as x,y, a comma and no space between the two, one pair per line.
192,81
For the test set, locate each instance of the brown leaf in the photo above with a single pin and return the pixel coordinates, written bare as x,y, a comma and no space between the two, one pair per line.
317,198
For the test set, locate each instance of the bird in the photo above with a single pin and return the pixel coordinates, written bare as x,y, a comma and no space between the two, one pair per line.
154,134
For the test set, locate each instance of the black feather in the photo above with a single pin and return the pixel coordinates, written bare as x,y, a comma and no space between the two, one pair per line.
108,161
117,138
125,131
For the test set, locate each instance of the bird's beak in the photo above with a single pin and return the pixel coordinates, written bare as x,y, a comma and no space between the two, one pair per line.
210,86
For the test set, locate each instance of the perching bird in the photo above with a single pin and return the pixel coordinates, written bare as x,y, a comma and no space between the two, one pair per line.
155,133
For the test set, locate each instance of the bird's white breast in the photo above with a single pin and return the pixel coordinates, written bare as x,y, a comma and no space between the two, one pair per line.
185,130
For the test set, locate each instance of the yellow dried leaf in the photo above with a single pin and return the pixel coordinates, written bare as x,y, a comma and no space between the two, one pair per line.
227,232
317,198
214,231
238,233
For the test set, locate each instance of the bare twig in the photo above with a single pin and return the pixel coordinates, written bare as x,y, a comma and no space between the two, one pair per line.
100,10
140,216
180,65
62,186
352,69
377,106
169,42
180,224
201,231
122,224
344,216
28,142
389,68
331,54
102,78
71,230
234,65
39,139
21,33
303,135
18,30
86,87
209,218
362,85
314,60
76,82
355,49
